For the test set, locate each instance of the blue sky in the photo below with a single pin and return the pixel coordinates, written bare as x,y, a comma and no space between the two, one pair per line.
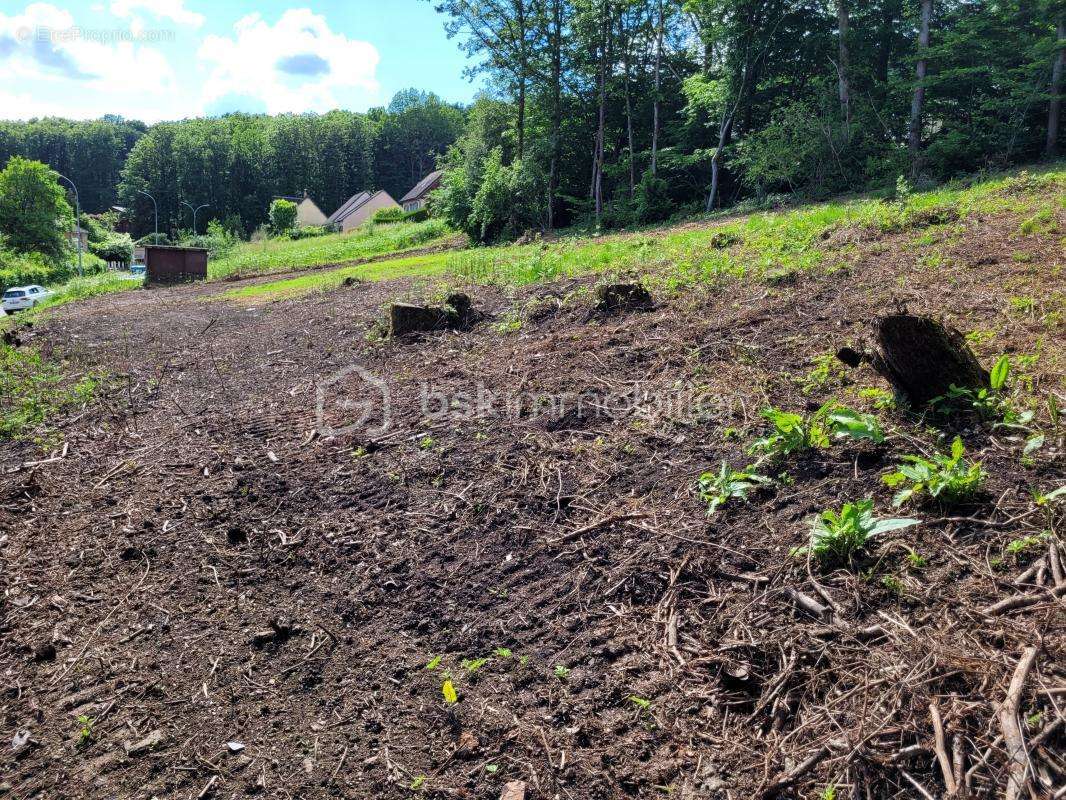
170,59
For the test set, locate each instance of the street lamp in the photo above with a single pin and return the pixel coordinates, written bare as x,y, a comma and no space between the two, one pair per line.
77,217
156,207
194,210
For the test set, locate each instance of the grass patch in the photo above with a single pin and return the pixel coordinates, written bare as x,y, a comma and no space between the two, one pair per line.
279,255
32,390
768,246
413,266
76,289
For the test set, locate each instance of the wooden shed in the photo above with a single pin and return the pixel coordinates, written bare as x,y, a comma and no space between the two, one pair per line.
166,264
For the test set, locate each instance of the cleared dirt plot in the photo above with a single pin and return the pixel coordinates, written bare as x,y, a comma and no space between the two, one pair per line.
238,571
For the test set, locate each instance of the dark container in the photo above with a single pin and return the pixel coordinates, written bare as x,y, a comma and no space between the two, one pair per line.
175,264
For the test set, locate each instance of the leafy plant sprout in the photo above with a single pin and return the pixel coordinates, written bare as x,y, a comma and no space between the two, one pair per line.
846,423
727,485
790,433
836,537
949,479
85,730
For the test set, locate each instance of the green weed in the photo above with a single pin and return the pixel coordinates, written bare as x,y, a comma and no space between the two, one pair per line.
85,730
789,433
727,485
949,479
278,255
846,423
32,390
838,536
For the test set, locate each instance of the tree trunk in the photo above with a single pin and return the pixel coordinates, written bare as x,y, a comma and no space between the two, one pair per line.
520,18
844,90
597,179
625,42
557,113
914,133
658,88
1055,107
723,137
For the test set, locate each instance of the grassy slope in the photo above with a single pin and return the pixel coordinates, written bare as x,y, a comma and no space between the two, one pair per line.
764,246
279,255
413,266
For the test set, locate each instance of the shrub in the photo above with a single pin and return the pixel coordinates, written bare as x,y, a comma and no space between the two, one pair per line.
282,216
115,247
308,231
652,200
418,215
950,479
19,269
218,241
388,215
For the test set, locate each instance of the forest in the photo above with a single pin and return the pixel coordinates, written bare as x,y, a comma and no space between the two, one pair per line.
621,112
631,111
239,162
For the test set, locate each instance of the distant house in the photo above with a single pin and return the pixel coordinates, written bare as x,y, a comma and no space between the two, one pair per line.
359,208
307,213
416,198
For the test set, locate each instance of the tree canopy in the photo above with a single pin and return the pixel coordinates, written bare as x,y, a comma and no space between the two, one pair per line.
625,110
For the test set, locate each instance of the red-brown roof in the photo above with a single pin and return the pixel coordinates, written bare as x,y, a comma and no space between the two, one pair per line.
424,187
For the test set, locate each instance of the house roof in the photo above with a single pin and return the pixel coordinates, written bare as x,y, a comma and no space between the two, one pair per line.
424,186
348,206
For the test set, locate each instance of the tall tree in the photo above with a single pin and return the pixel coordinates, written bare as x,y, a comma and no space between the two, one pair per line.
1055,104
843,87
914,130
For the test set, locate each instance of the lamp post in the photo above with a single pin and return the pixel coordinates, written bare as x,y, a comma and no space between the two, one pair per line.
194,210
77,217
156,207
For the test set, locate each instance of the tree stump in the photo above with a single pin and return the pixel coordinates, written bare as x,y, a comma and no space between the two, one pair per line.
615,297
456,313
922,359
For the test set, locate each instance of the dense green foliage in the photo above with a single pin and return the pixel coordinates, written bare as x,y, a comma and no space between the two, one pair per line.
238,163
35,220
34,214
630,111
282,216
90,153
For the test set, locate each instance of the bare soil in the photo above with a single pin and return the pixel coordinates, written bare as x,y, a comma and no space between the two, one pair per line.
199,566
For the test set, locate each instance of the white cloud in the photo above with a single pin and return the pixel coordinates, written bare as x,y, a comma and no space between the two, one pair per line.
164,9
77,72
297,64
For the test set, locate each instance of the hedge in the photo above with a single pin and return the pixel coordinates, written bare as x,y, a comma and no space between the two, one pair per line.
20,269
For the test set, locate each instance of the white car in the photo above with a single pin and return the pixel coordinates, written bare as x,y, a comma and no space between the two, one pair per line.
19,298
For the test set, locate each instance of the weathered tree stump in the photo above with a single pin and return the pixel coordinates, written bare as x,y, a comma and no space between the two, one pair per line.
456,313
922,359
615,297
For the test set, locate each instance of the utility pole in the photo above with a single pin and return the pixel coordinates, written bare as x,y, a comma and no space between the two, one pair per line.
77,217
156,207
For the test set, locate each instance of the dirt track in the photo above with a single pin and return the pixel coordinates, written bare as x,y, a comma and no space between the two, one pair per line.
203,568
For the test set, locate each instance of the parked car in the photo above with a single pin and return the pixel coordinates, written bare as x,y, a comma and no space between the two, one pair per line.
19,298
